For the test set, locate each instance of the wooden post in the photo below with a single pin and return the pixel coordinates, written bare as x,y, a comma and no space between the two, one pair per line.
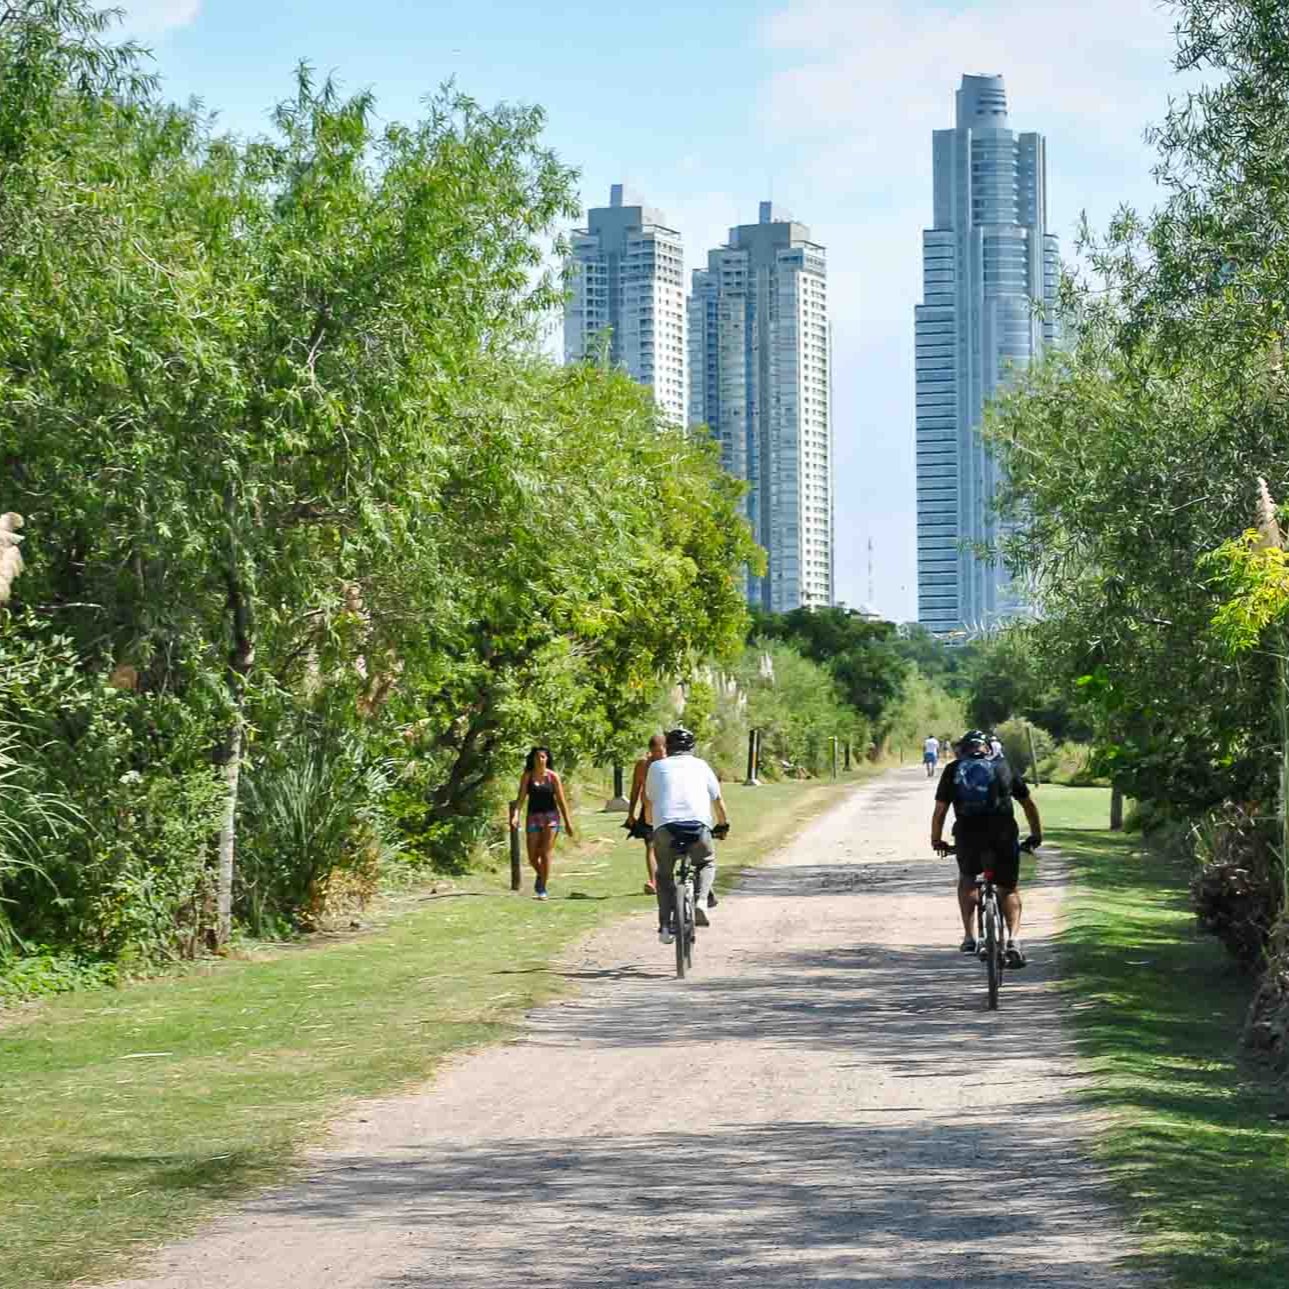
834,741
515,870
617,801
847,756
1116,809
753,748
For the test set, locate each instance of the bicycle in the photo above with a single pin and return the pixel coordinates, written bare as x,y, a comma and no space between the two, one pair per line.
683,914
682,918
991,926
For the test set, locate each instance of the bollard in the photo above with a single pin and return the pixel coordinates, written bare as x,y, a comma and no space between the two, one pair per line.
833,741
617,801
847,762
514,859
753,742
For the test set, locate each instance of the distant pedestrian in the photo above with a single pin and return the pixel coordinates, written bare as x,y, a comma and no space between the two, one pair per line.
930,754
540,787
635,825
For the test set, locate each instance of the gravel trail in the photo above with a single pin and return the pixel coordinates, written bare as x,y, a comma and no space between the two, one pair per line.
826,1101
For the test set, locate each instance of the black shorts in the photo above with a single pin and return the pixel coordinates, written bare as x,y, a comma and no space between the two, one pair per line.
995,847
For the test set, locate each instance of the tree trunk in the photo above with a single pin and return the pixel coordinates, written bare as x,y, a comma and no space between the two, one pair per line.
241,657
1116,809
228,836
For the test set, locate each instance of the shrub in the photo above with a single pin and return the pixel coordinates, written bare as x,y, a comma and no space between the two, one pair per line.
313,824
1236,890
1015,735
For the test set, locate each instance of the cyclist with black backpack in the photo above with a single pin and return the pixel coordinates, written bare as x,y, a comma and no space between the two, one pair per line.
980,789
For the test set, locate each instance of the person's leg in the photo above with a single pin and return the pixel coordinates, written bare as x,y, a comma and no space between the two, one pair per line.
968,900
1012,906
703,853
545,850
534,839
665,876
651,868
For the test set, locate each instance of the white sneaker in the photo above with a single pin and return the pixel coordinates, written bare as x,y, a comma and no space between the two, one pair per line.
665,936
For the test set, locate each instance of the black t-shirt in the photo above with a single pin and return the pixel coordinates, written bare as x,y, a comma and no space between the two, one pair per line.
1010,784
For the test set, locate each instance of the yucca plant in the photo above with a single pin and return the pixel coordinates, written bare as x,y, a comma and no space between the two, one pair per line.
28,817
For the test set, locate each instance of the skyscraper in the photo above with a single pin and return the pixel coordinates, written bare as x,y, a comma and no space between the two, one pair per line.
628,279
760,378
988,265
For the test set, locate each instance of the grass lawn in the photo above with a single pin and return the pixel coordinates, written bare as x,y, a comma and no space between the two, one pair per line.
127,1115
1202,1169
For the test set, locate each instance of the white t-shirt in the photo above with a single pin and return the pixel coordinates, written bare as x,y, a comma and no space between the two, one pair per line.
931,747
681,789
995,749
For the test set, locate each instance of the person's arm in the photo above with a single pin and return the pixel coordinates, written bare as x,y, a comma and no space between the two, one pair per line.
718,802
519,800
1031,817
937,824
562,802
645,803
637,789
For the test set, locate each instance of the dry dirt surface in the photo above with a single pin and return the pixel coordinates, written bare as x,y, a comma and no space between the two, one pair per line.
824,1101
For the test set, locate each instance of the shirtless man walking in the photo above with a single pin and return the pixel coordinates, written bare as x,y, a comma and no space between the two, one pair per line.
657,751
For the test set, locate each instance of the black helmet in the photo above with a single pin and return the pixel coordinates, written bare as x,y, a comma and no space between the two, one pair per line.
680,740
971,740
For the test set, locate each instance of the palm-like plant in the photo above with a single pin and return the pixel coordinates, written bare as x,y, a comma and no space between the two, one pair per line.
28,818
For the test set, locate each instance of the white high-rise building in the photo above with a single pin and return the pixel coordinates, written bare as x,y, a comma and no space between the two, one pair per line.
761,380
627,285
990,273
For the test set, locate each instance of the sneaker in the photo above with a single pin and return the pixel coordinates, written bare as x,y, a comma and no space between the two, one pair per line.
700,918
650,889
1015,958
665,936
541,895
712,901
968,944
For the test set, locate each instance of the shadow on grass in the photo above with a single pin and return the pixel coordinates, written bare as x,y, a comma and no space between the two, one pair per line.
225,1176
1158,1010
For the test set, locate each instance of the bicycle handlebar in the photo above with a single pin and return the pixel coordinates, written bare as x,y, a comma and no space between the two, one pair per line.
1027,847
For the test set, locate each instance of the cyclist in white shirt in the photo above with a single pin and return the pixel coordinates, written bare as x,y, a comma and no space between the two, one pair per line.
930,754
680,795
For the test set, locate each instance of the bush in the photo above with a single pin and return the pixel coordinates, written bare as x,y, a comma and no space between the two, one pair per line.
313,830
1015,735
125,874
1236,891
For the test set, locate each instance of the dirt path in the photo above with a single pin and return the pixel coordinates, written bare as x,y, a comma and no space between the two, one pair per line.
826,1101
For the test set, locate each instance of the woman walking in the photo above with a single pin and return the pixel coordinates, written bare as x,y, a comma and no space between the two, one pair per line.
541,788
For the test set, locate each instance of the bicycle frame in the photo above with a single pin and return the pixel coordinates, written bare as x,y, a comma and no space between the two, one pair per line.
992,937
683,913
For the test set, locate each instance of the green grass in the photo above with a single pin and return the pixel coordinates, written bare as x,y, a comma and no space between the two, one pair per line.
1202,1170
127,1115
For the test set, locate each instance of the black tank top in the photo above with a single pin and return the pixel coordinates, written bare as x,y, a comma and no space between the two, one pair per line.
541,796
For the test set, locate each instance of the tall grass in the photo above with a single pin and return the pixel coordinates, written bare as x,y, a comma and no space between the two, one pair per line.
28,818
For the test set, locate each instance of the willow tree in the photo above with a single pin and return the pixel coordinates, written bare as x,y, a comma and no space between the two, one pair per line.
221,362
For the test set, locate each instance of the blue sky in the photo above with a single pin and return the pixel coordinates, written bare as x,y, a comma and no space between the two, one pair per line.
826,106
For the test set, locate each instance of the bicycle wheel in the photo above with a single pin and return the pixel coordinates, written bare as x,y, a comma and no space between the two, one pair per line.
683,916
690,935
993,952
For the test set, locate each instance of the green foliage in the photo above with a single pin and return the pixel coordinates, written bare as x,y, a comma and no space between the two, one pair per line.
273,414
309,816
1136,451
1015,736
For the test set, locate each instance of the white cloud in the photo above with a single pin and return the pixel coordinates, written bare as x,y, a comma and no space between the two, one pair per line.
155,17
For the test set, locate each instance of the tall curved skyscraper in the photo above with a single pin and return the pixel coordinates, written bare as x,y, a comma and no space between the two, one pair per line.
990,272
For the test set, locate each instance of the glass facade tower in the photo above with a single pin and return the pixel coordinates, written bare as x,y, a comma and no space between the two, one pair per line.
627,281
760,379
990,273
